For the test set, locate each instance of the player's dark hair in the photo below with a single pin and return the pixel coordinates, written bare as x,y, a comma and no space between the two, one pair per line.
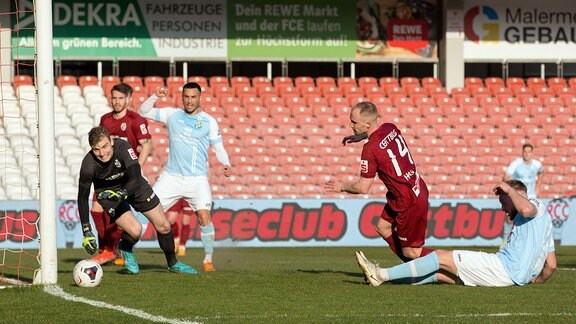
96,134
527,145
124,88
517,185
192,85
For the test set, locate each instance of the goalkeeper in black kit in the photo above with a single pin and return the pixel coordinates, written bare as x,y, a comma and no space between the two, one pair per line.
112,166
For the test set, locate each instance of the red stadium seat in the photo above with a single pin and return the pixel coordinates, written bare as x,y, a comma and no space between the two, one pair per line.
304,81
473,81
384,81
85,80
325,80
409,80
133,80
493,81
282,80
557,82
178,80
362,81
216,81
202,81
240,81
261,81
514,81
348,81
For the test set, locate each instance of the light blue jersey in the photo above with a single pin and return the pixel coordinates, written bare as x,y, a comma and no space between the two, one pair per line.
531,240
190,136
527,173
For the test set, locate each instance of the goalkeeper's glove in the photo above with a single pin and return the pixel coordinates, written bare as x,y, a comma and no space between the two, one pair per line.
89,241
353,139
114,195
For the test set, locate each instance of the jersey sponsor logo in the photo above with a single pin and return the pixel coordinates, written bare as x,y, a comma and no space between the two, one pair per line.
364,166
117,163
123,127
388,138
132,154
143,129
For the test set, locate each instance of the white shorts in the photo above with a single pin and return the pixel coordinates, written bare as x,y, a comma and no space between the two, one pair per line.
481,269
195,190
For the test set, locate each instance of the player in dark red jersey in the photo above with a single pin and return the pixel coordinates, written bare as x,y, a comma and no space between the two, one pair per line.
403,221
112,167
130,126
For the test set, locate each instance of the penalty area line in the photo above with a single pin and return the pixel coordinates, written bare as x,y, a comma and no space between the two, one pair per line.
57,291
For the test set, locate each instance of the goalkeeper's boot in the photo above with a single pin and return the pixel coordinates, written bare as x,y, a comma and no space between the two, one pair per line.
104,257
208,267
370,269
182,268
130,262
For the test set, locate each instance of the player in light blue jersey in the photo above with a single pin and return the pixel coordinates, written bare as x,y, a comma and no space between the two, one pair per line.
527,257
530,172
526,169
191,131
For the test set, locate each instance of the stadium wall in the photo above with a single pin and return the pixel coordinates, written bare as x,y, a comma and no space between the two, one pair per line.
305,222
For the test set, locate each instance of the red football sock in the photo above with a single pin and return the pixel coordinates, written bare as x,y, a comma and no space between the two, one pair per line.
100,226
113,234
184,234
394,244
175,230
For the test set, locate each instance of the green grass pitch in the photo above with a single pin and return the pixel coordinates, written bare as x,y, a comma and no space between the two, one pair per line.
283,285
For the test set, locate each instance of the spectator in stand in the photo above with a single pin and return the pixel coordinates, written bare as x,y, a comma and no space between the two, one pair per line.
191,131
124,123
527,257
404,218
530,172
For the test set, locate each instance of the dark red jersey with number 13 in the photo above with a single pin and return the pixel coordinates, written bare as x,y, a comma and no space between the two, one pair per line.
387,155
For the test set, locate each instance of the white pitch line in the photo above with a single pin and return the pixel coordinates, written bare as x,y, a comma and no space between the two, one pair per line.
57,291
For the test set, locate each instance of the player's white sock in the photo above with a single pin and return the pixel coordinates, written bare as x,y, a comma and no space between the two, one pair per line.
208,258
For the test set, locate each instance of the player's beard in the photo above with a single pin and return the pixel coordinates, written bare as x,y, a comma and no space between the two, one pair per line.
193,111
122,109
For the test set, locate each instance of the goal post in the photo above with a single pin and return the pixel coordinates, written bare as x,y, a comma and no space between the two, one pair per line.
28,246
47,174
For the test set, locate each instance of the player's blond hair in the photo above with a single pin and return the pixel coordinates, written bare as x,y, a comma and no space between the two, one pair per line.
368,110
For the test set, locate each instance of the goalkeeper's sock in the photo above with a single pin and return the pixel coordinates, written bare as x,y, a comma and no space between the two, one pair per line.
166,242
207,238
417,269
127,242
184,233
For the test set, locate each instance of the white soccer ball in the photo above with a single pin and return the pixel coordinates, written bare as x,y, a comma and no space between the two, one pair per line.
87,273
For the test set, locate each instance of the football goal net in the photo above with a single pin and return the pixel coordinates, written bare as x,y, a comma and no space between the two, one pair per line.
27,153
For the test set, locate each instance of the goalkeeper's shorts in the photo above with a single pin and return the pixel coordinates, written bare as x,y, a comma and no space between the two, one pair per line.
143,200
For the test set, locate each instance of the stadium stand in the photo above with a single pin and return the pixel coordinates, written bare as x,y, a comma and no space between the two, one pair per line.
284,134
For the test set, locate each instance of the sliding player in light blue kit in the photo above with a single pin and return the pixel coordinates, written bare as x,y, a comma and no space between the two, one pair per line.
527,257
